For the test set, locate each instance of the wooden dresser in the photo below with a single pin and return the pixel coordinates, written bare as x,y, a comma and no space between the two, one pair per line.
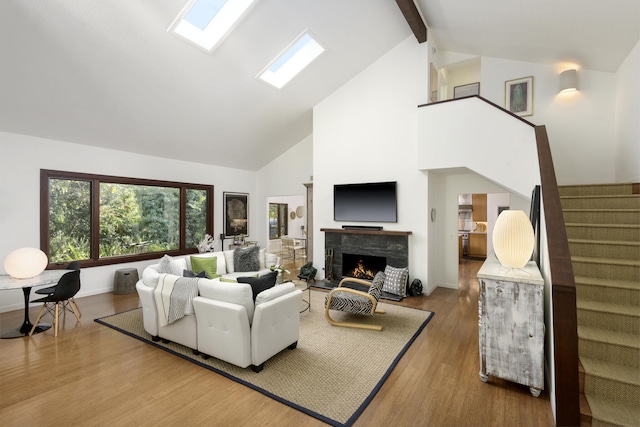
511,323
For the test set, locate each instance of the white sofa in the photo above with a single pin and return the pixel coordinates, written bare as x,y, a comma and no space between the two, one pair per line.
227,324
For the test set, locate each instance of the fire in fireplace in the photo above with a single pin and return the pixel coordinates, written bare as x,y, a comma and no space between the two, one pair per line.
362,266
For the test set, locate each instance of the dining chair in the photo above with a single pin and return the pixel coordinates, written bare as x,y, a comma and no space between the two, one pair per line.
62,296
73,265
291,248
286,248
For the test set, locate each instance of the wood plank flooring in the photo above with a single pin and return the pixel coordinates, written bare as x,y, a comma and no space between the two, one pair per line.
92,375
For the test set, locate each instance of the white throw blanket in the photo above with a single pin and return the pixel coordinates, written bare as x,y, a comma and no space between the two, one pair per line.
174,297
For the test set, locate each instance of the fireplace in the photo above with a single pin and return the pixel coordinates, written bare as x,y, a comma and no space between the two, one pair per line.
390,246
362,266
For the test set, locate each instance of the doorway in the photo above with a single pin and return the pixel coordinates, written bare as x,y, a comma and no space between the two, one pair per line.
286,218
477,214
278,221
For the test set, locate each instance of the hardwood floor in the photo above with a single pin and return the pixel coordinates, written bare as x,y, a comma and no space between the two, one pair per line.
92,375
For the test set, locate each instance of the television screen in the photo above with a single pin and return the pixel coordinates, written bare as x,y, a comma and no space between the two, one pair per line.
370,202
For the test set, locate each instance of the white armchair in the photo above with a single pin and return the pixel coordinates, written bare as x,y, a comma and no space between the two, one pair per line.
232,328
182,331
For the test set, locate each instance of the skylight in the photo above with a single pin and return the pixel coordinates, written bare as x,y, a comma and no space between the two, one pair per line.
206,22
290,62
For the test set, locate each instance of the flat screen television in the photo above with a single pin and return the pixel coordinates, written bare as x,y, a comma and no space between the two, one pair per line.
369,202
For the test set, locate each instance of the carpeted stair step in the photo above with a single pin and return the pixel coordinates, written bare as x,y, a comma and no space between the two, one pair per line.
608,290
616,317
603,228
630,201
602,216
613,347
611,414
598,189
604,249
625,232
612,383
608,268
611,389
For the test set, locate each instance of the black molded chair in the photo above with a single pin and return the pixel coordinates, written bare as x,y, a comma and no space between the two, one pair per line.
73,265
62,295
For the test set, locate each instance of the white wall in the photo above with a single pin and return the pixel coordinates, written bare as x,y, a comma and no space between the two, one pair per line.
474,134
285,175
366,132
281,181
22,157
594,132
444,250
627,125
579,124
462,74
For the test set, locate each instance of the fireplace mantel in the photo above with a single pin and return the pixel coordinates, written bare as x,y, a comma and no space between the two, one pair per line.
365,231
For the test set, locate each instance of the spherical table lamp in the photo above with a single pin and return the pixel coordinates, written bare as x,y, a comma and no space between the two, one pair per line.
513,238
25,263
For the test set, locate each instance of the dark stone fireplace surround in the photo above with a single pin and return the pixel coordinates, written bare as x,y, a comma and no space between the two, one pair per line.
394,245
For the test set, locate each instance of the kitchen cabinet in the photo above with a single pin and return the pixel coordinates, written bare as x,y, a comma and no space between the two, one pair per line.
511,323
478,244
479,210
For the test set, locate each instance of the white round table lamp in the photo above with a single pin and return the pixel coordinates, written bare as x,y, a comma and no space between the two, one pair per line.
513,238
25,263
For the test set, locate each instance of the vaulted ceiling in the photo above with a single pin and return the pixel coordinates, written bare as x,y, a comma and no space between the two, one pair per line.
108,74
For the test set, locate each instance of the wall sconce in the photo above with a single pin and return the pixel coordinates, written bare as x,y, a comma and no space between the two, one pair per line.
513,238
25,263
568,80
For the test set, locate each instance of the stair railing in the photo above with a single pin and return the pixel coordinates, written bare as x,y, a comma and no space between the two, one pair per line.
563,291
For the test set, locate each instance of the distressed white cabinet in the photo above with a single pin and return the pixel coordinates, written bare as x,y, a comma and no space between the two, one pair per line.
511,323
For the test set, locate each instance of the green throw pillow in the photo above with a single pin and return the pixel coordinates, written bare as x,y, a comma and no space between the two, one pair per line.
207,264
224,279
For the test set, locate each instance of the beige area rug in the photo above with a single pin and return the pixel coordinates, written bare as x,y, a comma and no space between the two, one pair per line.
333,373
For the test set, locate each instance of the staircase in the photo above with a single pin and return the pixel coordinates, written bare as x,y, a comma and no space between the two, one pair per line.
603,228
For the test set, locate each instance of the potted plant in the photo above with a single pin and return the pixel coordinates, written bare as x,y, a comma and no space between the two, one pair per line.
208,244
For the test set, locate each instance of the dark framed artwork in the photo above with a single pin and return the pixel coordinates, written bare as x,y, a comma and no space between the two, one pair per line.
236,214
518,96
466,90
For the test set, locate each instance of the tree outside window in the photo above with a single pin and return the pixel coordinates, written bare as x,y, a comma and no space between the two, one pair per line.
278,224
128,218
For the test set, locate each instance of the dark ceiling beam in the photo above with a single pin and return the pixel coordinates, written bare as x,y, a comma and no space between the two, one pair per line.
411,14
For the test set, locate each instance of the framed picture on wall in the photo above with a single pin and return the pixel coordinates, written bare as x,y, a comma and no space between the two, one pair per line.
466,90
236,214
518,96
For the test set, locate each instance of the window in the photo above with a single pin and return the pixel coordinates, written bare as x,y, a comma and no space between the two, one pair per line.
206,22
278,224
294,59
105,219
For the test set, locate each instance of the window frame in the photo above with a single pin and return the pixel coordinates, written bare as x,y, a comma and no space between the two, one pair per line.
95,180
286,220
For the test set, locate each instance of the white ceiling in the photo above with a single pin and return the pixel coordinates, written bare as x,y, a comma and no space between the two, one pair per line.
108,74
593,34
